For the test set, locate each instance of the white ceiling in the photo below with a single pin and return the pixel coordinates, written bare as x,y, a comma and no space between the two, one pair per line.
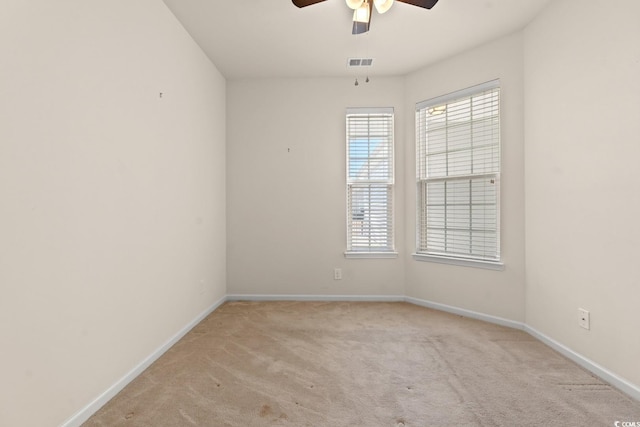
273,38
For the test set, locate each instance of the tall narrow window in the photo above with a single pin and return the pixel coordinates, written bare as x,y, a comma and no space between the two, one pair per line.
458,177
370,182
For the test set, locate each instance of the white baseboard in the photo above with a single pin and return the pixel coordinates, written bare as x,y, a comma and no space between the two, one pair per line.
85,413
620,383
466,313
289,297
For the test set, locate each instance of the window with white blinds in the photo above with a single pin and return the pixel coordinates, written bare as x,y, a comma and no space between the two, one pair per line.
458,175
370,179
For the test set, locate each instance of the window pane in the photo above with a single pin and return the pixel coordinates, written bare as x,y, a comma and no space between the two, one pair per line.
436,217
485,159
437,140
436,193
459,241
459,163
459,136
437,165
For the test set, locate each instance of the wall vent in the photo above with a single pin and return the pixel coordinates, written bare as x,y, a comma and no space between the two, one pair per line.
359,62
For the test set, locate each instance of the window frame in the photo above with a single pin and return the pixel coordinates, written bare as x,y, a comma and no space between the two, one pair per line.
366,251
422,253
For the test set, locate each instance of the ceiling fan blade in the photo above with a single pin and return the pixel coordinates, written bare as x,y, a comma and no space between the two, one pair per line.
427,4
304,3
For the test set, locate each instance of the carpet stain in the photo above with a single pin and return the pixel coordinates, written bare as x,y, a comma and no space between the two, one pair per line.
265,411
129,416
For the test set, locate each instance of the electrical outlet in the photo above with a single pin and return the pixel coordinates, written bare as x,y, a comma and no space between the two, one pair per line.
583,318
337,274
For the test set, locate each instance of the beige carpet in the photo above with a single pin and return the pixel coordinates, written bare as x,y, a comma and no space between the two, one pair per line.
361,364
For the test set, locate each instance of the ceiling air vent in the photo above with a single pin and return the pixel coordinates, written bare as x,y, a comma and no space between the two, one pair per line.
359,62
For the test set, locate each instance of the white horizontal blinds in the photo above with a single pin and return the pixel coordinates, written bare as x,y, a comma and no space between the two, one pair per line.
370,180
458,168
370,215
460,218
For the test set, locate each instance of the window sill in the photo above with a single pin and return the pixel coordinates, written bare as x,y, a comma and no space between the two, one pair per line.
371,255
489,265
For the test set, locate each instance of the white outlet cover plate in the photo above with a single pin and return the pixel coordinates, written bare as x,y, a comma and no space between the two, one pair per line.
583,318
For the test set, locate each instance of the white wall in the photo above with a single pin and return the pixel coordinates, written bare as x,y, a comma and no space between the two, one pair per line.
496,293
112,229
286,187
582,87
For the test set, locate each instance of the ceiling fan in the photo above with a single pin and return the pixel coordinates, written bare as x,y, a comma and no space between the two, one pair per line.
362,9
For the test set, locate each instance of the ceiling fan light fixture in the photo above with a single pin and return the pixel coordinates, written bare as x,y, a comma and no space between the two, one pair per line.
354,4
363,13
383,5
362,18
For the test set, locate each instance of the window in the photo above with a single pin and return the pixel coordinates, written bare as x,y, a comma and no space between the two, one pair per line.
370,182
458,177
